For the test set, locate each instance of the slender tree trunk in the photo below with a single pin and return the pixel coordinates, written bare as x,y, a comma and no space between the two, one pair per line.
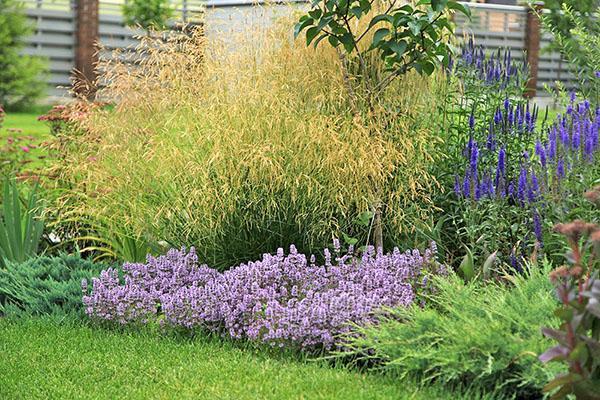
378,229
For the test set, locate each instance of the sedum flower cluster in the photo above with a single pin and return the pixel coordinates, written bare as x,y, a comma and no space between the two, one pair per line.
282,300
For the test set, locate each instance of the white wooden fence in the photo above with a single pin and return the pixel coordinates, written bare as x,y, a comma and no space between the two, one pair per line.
493,26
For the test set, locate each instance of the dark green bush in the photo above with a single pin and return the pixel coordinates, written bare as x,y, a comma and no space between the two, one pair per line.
21,80
475,336
45,285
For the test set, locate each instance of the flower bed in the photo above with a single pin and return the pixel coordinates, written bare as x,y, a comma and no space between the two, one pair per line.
280,300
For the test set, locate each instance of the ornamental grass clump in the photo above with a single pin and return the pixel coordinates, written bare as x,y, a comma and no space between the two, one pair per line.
239,151
282,300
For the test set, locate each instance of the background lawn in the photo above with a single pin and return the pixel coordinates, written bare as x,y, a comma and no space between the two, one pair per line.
26,122
22,130
44,359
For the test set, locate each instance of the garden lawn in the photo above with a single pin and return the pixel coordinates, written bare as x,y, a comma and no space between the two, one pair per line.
41,358
26,122
27,133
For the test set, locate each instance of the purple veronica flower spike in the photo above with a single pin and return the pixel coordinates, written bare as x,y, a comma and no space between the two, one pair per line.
540,152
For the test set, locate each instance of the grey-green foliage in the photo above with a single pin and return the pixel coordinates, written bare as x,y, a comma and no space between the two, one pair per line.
21,76
45,285
475,336
21,224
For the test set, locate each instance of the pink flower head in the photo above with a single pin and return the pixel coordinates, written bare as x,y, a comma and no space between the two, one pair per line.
26,149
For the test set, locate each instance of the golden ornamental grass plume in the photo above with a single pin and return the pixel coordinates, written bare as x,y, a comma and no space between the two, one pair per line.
238,152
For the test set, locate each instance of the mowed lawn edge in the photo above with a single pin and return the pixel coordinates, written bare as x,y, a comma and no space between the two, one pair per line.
45,359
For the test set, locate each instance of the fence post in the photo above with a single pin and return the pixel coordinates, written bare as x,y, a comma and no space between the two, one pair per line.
533,36
86,51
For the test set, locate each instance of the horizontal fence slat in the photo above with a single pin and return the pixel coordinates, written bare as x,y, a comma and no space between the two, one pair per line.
493,26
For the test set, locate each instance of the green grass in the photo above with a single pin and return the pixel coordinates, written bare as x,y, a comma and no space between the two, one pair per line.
26,122
23,130
44,359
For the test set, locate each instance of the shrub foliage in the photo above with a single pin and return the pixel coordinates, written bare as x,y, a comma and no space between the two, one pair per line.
484,337
44,285
20,75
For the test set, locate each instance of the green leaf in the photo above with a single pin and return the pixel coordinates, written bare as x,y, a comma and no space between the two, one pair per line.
365,5
407,9
398,48
323,36
380,18
323,22
311,33
364,218
438,5
462,8
415,27
489,264
349,240
333,41
316,13
467,266
379,35
299,27
347,41
356,11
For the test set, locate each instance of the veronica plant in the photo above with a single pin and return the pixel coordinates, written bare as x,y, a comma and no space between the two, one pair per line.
490,84
280,300
515,164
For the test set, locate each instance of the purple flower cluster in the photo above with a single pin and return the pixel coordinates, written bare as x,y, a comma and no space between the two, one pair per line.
500,166
498,68
279,300
572,141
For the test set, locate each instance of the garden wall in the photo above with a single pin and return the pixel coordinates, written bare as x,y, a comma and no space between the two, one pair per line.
54,37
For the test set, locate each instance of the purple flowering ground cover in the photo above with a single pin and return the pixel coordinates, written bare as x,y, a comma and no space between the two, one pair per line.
282,300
